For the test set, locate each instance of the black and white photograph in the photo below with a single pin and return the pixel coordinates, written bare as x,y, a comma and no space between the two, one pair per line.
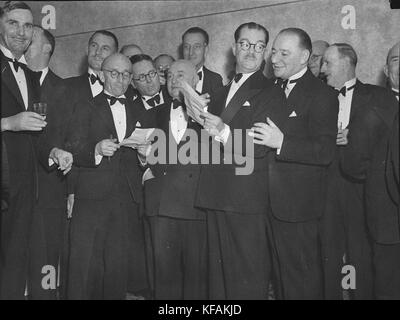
200,154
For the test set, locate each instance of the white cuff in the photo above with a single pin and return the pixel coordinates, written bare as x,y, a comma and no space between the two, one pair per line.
278,151
97,159
224,134
51,162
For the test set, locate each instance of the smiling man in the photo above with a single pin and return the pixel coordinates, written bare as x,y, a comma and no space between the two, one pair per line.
297,176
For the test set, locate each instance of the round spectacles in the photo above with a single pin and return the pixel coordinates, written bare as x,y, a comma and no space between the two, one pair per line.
114,74
258,47
142,77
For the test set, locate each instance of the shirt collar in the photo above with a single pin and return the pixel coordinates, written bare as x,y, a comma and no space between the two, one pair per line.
245,77
299,74
348,83
121,96
91,71
9,54
200,70
149,97
395,90
44,71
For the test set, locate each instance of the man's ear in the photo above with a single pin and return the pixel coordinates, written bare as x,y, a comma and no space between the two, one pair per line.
305,56
46,48
101,76
206,51
386,70
234,49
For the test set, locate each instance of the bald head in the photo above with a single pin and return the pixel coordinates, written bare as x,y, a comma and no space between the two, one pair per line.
318,49
391,68
131,50
181,70
116,73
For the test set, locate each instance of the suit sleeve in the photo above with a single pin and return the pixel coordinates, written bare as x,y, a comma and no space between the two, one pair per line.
364,133
318,146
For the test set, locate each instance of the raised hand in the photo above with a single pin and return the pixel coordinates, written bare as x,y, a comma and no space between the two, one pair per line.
106,147
267,134
24,121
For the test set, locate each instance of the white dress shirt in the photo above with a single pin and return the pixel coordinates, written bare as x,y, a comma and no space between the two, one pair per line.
97,87
45,71
396,90
199,85
178,123
19,76
345,104
145,98
119,116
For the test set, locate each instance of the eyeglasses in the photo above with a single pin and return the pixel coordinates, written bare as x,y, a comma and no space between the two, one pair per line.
114,74
143,77
258,47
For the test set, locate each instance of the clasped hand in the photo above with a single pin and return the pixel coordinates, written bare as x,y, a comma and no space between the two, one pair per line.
267,134
106,147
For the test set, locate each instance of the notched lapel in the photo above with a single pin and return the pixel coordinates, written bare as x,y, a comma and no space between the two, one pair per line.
7,77
100,105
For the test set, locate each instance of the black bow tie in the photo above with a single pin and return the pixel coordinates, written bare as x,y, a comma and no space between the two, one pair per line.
176,104
200,74
283,83
93,78
343,90
237,77
16,64
115,99
152,102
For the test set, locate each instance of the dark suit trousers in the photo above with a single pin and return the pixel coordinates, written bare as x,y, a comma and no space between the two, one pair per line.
345,231
46,246
239,256
387,271
137,266
297,259
98,249
14,253
179,255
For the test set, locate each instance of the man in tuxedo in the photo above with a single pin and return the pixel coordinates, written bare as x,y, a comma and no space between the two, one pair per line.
315,62
235,201
50,210
346,222
391,69
101,44
151,95
177,229
130,50
20,89
108,189
163,63
362,158
305,146
195,43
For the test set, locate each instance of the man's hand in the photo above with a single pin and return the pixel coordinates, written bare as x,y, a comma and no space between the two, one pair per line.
206,97
24,121
267,134
106,147
341,138
70,205
63,159
212,123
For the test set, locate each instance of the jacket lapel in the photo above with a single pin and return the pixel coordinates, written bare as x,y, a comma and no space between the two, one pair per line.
101,106
360,97
300,93
7,77
248,89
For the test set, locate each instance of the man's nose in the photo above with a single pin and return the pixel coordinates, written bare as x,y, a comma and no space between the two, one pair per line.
21,31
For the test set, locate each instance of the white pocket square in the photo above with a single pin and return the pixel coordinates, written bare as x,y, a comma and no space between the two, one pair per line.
138,125
293,114
246,104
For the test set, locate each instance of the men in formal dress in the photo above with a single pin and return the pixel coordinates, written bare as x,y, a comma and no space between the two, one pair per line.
372,233
195,43
129,50
391,69
178,230
50,209
236,203
315,62
163,63
20,89
108,189
305,146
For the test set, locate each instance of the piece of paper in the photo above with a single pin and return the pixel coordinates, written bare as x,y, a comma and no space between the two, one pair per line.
138,137
195,104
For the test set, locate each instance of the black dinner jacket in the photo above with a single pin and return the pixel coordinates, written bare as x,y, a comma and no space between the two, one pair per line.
92,122
21,152
219,186
173,189
365,156
212,81
52,183
298,175
148,118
